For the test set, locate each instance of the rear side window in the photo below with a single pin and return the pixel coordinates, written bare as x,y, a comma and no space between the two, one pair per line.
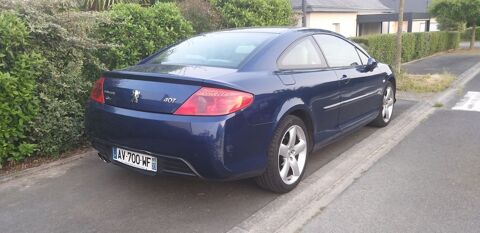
302,55
338,52
221,49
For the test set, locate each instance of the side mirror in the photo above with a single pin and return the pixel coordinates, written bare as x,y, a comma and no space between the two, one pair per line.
371,64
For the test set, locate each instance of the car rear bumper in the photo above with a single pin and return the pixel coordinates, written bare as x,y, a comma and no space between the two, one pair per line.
217,148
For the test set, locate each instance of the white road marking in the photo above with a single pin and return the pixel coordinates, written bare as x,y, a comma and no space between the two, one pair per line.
470,102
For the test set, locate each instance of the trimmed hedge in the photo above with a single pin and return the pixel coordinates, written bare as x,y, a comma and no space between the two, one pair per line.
414,45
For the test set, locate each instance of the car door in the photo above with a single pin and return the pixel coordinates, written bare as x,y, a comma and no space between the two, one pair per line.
360,89
304,65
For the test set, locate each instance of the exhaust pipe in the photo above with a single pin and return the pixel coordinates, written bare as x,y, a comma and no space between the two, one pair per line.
103,158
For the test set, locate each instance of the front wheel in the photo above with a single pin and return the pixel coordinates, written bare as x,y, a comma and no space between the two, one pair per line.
386,109
287,156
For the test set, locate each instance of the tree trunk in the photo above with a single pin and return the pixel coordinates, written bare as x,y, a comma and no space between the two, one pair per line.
304,13
398,52
472,40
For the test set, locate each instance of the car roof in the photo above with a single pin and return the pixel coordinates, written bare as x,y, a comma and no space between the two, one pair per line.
275,30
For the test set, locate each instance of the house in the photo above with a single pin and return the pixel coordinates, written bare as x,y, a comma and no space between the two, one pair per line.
364,17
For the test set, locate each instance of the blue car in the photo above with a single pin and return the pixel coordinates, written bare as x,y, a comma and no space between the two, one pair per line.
234,104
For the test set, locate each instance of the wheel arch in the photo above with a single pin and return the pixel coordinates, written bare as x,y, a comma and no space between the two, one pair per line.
307,119
391,78
298,108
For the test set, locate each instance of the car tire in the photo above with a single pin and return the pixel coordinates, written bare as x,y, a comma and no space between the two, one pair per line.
287,156
386,107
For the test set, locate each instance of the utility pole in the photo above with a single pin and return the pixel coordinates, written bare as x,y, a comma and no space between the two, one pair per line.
304,13
398,52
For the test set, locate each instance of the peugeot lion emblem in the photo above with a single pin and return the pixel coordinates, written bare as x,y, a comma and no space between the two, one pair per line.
135,96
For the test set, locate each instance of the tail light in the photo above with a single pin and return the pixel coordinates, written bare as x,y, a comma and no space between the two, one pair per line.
214,102
97,91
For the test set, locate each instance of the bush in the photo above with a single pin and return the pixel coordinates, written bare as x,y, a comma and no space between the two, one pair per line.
13,38
63,90
414,45
248,13
134,32
18,102
201,14
66,44
62,40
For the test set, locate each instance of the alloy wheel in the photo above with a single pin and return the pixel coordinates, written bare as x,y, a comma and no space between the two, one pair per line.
292,154
388,101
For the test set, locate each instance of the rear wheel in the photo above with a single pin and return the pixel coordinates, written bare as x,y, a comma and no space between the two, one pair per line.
287,156
385,115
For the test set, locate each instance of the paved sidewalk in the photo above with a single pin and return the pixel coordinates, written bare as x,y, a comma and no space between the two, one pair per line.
430,182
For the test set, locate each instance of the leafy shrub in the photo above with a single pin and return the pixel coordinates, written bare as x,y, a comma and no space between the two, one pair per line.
18,102
62,40
414,45
248,13
66,44
64,88
134,32
13,38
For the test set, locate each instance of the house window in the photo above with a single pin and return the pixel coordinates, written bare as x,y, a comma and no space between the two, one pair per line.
336,27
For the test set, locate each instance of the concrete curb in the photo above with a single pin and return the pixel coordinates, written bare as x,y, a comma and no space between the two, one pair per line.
289,212
43,167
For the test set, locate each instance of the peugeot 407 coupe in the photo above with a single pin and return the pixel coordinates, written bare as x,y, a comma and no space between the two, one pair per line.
234,104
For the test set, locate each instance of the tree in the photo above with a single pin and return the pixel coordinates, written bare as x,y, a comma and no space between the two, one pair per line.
446,24
461,11
398,52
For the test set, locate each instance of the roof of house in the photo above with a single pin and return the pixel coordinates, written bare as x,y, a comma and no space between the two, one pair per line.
411,6
375,6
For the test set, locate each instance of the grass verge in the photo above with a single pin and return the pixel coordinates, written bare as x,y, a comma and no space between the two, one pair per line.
424,83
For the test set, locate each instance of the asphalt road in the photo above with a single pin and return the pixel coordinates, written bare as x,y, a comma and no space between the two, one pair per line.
91,196
430,182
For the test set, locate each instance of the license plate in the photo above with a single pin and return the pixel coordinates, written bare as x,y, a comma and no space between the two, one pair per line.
135,159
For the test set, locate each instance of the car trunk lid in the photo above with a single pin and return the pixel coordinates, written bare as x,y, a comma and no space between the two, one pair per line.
157,89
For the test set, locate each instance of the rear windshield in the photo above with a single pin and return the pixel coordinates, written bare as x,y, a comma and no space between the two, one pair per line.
221,49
